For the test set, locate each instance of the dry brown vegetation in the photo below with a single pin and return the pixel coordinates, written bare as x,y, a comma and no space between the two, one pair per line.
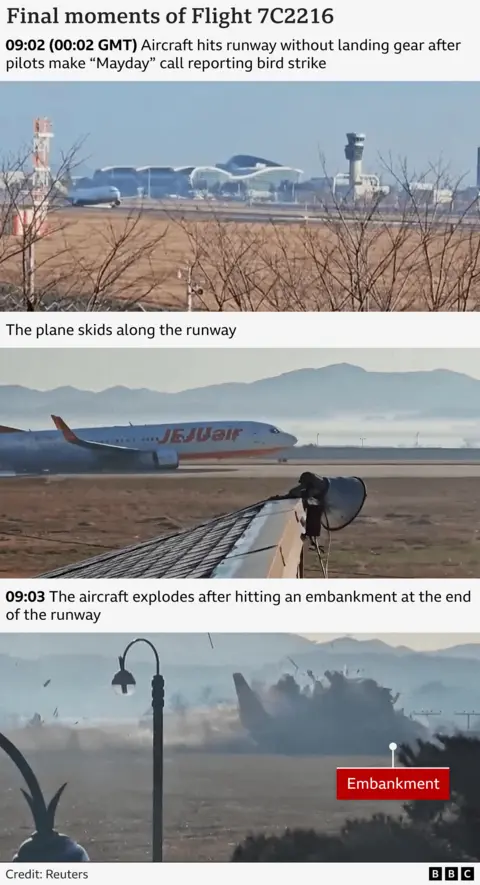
338,265
211,801
412,254
93,261
410,527
370,262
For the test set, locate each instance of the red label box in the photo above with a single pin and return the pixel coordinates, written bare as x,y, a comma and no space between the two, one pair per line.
398,784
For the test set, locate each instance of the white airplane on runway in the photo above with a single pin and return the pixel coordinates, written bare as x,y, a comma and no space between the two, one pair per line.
94,196
134,449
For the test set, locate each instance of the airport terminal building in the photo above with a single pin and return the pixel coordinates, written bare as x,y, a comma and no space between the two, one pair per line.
243,176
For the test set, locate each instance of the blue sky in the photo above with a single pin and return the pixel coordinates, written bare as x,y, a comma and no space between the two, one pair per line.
197,123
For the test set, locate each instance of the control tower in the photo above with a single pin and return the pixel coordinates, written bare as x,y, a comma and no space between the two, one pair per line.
354,154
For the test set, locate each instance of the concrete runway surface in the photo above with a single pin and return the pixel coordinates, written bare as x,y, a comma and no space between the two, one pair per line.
239,214
292,471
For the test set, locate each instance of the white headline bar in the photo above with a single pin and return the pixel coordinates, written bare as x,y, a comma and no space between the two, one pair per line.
332,41
192,606
275,330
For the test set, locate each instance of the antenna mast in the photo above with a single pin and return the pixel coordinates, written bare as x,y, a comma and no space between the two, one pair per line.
41,179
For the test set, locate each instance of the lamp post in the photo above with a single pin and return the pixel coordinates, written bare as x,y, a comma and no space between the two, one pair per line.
45,845
124,682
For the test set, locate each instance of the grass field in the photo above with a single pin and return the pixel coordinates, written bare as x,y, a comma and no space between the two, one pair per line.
211,801
244,266
410,527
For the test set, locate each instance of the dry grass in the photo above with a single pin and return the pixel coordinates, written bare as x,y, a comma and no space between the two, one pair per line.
262,266
211,801
84,237
410,527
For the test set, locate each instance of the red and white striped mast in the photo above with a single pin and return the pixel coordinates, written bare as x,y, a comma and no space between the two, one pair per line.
41,179
32,221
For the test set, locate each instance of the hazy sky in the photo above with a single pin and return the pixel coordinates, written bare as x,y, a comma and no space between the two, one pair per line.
290,123
173,370
418,642
45,643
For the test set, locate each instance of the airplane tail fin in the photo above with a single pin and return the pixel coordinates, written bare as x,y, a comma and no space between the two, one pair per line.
252,714
64,428
5,429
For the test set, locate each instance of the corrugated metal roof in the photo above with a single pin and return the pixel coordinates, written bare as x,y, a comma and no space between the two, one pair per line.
191,553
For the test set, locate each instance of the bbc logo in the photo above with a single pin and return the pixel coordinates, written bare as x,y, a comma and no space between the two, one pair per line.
451,874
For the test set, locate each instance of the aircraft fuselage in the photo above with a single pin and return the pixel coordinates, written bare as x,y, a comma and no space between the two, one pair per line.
48,451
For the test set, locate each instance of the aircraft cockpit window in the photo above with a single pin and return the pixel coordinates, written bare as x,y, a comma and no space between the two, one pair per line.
274,430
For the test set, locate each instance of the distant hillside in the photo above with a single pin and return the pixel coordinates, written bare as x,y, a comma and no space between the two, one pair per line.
470,650
345,645
326,392
74,672
175,649
348,648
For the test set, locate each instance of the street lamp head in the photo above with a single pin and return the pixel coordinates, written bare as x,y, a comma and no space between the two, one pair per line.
123,682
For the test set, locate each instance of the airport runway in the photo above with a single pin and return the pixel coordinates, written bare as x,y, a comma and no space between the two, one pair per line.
232,216
292,471
236,214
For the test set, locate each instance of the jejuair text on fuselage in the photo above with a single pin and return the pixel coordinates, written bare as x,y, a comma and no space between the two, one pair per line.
199,434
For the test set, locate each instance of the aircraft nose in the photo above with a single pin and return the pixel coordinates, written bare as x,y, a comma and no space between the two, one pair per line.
290,440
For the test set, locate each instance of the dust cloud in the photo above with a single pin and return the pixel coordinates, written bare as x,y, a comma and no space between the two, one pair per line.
195,729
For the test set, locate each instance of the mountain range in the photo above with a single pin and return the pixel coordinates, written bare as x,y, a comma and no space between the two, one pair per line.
327,392
74,672
229,649
175,649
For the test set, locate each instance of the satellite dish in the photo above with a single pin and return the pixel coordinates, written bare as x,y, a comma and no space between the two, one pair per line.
343,501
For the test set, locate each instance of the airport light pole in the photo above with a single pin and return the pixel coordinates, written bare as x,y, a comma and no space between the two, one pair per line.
189,289
124,683
427,714
468,715
192,289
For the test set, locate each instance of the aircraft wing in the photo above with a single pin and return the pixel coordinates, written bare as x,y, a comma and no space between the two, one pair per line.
75,440
5,429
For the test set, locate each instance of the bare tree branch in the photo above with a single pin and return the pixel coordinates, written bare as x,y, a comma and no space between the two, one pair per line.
420,253
418,250
117,261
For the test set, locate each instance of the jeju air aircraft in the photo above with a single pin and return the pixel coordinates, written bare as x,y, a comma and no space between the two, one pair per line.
134,448
94,196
